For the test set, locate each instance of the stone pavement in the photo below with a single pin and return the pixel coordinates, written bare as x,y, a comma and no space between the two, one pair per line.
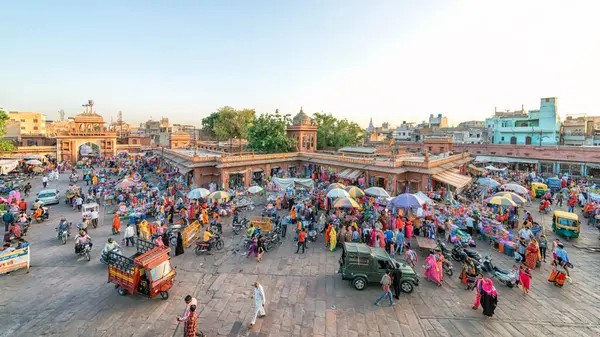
67,296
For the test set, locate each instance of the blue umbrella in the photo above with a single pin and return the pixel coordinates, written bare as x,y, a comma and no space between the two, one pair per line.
407,200
488,182
198,193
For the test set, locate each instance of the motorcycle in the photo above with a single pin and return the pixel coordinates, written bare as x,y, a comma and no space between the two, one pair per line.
460,254
312,235
84,249
272,240
45,215
63,235
504,276
106,258
238,226
216,227
24,227
215,242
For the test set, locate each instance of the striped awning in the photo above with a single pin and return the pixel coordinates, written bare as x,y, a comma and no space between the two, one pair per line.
452,178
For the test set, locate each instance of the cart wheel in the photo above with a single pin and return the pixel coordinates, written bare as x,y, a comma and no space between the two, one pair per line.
219,244
121,292
87,256
164,295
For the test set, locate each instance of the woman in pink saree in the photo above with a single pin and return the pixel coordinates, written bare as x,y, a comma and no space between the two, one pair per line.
431,269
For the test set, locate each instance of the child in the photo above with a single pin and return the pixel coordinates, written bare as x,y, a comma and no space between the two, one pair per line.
411,256
516,273
525,279
393,248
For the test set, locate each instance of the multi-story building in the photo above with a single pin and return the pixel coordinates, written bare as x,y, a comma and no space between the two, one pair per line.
580,130
32,123
53,128
541,126
438,122
404,132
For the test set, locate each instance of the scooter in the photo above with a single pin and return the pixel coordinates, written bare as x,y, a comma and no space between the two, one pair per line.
460,254
312,235
504,276
45,215
106,258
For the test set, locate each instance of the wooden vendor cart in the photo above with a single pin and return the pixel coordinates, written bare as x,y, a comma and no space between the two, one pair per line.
263,223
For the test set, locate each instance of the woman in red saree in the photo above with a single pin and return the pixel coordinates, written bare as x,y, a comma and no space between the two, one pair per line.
531,255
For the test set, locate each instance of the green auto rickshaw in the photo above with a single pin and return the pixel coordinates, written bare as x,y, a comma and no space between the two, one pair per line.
565,224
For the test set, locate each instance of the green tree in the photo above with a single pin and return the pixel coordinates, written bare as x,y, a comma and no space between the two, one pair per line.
268,133
337,133
232,123
208,123
5,145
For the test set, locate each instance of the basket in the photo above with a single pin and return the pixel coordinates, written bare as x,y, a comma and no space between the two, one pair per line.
509,251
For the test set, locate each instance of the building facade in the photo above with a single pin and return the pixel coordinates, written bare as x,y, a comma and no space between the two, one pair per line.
541,126
304,131
31,123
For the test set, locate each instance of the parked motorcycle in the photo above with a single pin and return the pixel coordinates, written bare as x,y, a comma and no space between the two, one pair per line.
312,235
460,254
216,227
271,240
504,276
215,242
447,265
239,226
106,258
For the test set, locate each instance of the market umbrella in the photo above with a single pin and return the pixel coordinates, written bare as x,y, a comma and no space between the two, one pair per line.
514,188
255,189
38,170
488,182
377,192
519,200
33,162
335,185
346,203
425,198
500,201
198,193
355,192
219,195
125,183
338,193
407,200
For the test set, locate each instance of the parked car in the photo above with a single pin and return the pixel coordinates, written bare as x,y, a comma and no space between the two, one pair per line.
48,197
362,265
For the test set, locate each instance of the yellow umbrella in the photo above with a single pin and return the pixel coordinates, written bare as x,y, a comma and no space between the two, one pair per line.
346,203
519,200
219,195
335,185
501,201
355,192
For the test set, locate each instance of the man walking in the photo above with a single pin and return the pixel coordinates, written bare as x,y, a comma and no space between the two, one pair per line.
128,235
396,277
385,282
45,181
259,303
8,219
301,241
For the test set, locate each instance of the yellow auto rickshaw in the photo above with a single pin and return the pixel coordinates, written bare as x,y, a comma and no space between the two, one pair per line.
565,224
539,189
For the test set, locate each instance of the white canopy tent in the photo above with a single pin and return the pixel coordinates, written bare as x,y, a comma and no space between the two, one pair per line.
6,166
284,183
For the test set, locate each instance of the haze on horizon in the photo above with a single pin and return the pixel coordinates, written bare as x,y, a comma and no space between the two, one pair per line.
389,60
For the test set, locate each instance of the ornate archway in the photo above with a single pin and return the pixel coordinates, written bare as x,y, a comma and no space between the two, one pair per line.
89,149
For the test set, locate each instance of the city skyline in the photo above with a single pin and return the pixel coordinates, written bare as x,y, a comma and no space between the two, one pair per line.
392,61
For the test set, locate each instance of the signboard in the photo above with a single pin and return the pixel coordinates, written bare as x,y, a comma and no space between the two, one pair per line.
190,233
14,260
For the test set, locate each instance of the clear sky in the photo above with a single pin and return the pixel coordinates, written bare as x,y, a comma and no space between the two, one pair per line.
390,60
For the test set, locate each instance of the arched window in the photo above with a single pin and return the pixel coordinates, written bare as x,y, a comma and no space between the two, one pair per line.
513,140
528,140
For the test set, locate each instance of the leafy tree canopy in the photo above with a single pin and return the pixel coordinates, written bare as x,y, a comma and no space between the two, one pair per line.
268,133
337,133
5,145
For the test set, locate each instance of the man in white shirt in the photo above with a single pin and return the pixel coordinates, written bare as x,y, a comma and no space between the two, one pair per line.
259,302
129,234
45,181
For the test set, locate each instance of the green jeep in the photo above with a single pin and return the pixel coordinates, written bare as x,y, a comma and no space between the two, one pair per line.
362,265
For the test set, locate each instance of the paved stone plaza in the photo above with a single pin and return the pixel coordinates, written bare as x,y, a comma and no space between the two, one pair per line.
66,296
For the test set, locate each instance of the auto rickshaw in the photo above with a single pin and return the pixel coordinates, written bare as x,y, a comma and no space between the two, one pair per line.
539,189
148,272
553,184
565,224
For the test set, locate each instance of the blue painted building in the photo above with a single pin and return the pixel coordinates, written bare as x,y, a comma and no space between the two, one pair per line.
537,127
